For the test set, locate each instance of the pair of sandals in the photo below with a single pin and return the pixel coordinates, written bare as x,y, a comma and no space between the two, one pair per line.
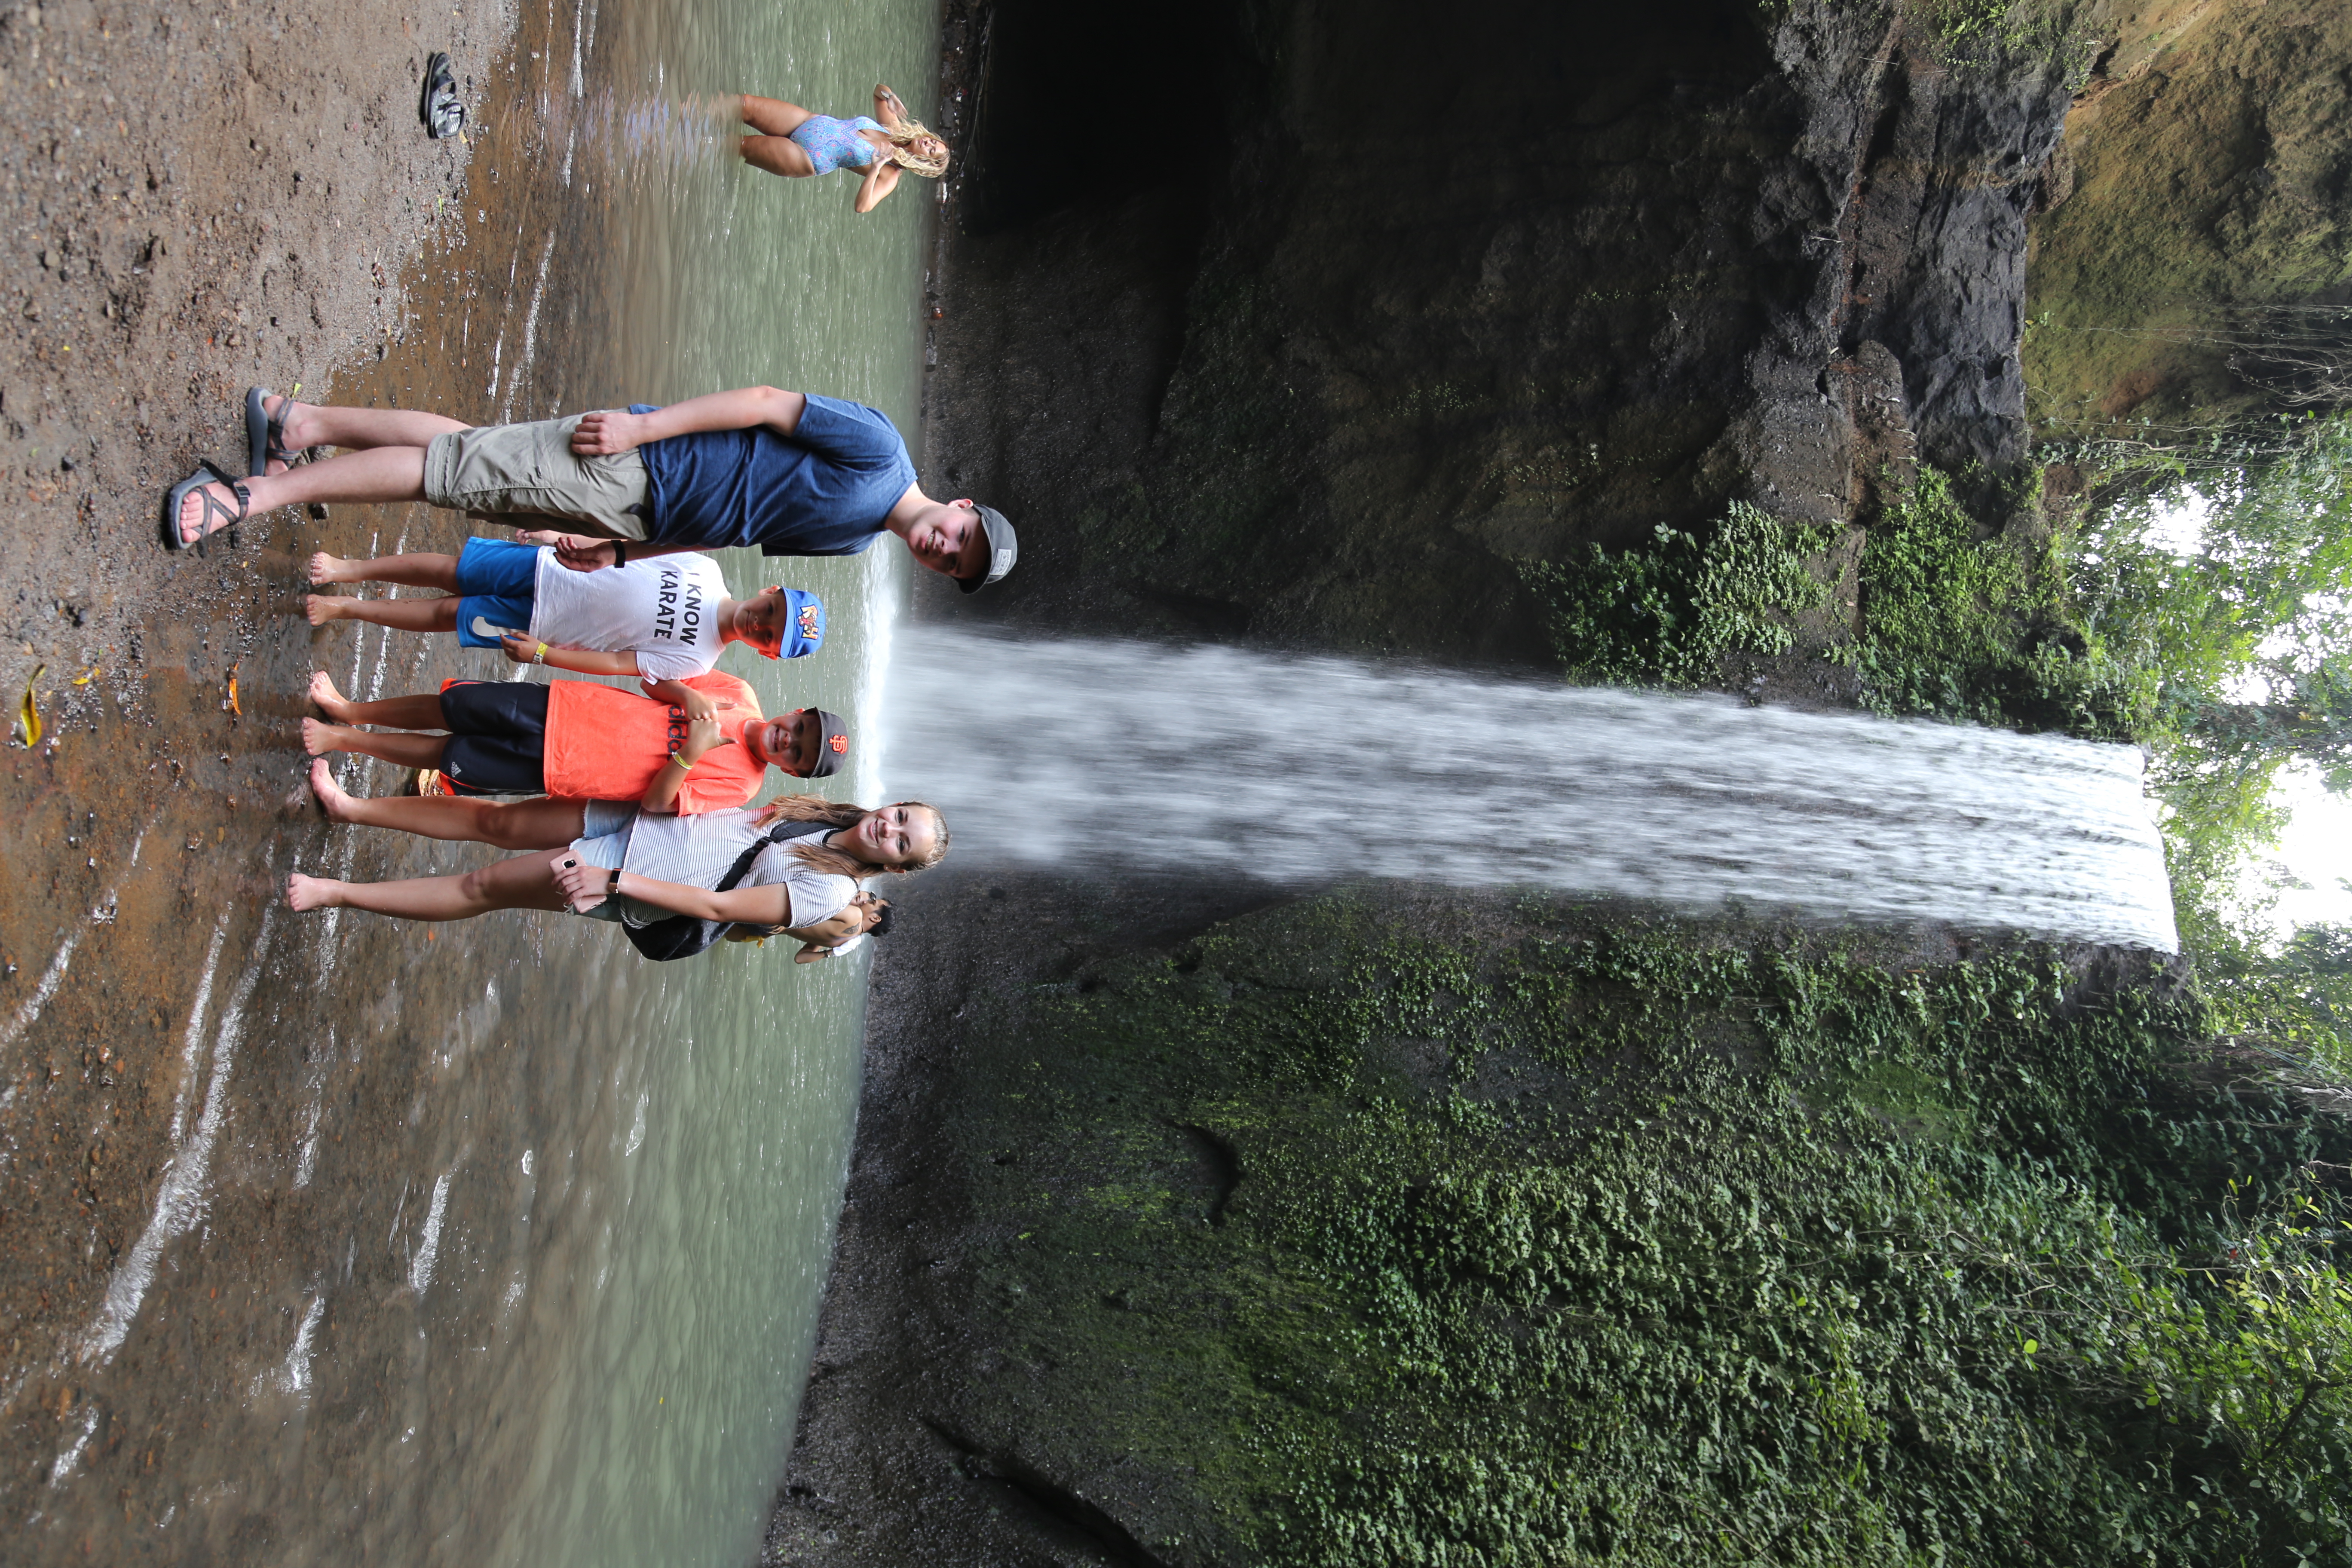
265,439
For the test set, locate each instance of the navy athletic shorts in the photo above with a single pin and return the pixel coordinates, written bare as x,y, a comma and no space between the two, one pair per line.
498,733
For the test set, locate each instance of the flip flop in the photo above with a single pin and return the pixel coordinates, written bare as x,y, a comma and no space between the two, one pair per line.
265,436
438,106
209,473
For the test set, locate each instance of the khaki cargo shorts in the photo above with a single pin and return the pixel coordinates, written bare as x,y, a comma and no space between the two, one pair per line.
514,471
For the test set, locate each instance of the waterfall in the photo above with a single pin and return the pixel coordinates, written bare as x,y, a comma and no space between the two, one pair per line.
1101,756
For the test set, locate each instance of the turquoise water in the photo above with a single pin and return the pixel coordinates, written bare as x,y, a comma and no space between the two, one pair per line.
494,1243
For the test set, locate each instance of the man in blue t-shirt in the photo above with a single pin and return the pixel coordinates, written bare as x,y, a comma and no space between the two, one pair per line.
793,473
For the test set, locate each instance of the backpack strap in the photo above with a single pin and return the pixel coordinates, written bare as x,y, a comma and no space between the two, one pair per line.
780,833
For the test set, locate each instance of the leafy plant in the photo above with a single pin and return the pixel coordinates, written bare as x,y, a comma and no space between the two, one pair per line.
1671,611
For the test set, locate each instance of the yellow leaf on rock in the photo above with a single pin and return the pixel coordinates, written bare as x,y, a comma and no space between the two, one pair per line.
84,679
29,715
232,690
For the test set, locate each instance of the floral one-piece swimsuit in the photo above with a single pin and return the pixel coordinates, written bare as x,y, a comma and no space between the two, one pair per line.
833,143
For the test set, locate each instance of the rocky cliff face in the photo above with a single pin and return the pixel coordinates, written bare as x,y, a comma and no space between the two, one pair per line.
1403,307
2200,204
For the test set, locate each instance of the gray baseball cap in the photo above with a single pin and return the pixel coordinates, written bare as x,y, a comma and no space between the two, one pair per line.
1003,550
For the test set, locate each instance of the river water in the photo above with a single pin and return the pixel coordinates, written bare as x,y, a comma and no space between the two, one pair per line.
486,1243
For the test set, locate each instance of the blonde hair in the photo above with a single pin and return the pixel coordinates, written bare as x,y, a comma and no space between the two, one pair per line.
902,141
844,814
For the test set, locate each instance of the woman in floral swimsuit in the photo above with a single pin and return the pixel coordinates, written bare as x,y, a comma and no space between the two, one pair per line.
792,141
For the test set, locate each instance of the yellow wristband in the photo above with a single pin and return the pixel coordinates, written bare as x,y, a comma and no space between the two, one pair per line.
680,760
541,656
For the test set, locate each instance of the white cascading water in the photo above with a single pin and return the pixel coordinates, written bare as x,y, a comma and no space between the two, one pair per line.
1100,755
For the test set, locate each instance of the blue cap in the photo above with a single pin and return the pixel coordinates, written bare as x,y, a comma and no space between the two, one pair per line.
804,624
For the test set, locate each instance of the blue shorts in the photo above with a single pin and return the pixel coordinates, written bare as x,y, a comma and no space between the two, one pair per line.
497,580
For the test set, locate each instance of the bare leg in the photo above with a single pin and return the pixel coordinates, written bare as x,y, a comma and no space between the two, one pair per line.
771,116
541,823
777,155
408,571
419,712
400,615
523,882
396,747
355,429
381,474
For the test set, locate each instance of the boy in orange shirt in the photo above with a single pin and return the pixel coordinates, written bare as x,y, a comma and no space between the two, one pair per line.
699,745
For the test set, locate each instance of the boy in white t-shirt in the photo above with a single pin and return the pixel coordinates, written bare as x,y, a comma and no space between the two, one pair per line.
661,620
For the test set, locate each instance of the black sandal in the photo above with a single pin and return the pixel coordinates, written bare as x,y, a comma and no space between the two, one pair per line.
265,434
438,105
195,484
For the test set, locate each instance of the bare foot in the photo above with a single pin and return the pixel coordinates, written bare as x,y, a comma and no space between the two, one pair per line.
326,698
311,892
332,798
320,608
326,568
319,738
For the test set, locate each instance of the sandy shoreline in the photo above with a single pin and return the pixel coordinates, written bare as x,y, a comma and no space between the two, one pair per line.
200,199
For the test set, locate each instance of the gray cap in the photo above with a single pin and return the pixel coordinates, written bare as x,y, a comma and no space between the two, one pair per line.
1003,550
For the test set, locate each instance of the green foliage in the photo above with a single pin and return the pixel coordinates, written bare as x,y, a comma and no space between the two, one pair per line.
2290,1011
2248,636
2263,592
1627,1245
1958,626
1974,32
1669,613
2214,823
1954,625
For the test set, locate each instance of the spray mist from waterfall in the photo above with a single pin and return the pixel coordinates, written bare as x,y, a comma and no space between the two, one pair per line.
1099,756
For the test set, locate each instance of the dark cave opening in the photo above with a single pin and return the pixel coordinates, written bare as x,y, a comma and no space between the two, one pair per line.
1082,104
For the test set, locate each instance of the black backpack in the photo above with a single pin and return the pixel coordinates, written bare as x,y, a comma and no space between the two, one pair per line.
683,936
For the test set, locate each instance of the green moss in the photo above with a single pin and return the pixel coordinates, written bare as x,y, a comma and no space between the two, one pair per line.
1568,1243
2208,181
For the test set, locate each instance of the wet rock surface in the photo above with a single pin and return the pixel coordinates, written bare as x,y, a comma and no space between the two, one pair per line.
920,1437
1415,308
